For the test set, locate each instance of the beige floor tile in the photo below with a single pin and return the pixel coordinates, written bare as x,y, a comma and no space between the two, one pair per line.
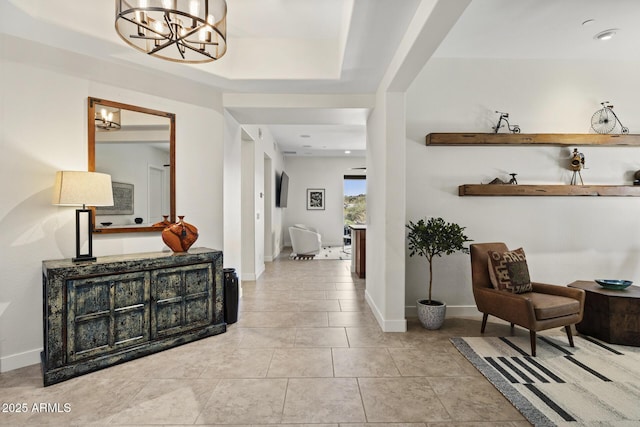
374,337
363,362
245,401
301,362
274,319
312,400
321,337
90,400
353,319
346,295
267,337
473,399
318,305
353,305
420,363
167,402
242,363
401,400
383,424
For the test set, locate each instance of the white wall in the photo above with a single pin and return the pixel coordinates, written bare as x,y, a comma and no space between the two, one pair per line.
43,128
232,194
318,172
565,238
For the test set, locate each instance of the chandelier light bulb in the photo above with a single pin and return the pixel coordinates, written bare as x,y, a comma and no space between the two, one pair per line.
194,7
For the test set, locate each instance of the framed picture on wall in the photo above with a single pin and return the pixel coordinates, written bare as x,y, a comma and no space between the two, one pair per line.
315,199
122,200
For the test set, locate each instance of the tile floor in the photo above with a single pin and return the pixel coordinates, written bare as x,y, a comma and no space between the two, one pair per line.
306,351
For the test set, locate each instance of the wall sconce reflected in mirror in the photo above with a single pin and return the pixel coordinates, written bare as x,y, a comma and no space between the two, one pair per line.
107,118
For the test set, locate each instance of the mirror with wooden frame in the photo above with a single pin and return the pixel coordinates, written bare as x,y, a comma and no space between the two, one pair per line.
136,146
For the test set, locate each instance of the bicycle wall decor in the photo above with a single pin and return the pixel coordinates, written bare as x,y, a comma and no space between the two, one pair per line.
505,116
605,120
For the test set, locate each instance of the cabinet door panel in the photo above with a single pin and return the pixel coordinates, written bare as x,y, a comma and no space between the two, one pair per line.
181,299
197,311
91,335
106,313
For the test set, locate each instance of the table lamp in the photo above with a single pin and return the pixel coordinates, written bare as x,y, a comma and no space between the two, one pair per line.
78,188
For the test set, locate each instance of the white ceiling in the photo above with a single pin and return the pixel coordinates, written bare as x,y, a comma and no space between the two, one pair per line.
335,47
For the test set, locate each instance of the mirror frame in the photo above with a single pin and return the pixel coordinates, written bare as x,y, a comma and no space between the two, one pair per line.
91,110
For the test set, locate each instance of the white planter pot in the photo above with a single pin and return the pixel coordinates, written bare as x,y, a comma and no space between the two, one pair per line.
431,316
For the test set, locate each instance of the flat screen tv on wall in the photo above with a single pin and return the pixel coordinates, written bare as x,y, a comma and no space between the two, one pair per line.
282,193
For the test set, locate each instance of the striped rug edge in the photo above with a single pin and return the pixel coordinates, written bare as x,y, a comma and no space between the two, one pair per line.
530,412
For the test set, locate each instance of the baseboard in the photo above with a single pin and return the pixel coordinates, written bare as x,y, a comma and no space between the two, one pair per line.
248,277
452,311
20,360
399,325
261,270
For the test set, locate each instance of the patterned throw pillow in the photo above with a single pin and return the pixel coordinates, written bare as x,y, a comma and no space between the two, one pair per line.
509,271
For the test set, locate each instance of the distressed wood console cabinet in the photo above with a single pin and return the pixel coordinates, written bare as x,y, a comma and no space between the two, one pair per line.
120,308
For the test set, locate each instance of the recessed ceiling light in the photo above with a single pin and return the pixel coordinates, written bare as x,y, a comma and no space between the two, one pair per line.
304,135
606,34
588,22
347,152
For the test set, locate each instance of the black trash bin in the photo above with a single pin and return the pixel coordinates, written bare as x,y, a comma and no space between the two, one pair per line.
230,295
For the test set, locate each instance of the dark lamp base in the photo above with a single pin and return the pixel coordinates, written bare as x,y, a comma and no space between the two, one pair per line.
84,258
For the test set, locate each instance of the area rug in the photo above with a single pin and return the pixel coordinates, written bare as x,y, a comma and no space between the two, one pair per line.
591,384
326,253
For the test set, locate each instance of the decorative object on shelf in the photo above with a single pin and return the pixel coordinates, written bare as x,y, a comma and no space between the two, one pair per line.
614,284
496,180
505,116
180,236
605,120
106,224
164,223
75,188
513,179
636,178
576,164
193,31
138,220
315,199
430,239
107,119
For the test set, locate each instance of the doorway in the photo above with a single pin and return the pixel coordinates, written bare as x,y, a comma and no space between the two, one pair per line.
355,205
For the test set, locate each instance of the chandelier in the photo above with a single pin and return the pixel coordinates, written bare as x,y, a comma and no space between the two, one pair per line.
107,119
192,31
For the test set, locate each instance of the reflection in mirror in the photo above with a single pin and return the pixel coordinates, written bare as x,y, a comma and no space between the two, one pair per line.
136,147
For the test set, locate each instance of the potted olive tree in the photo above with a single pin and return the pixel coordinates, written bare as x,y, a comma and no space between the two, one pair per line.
430,239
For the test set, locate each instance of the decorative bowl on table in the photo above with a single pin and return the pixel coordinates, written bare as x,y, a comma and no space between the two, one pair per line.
106,224
614,284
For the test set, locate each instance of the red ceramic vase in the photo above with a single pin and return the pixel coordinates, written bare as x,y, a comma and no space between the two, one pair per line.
180,236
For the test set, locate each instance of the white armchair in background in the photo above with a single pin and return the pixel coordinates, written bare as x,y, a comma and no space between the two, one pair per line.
305,240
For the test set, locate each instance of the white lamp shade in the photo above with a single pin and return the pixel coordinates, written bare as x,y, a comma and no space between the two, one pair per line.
74,188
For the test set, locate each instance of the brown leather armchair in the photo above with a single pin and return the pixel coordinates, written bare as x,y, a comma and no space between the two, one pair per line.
547,306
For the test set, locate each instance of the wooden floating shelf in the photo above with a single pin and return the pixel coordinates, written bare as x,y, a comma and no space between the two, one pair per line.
547,190
531,139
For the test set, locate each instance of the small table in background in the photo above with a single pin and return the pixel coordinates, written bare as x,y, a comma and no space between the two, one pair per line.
610,315
359,249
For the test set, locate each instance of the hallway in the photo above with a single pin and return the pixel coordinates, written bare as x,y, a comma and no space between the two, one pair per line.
305,351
